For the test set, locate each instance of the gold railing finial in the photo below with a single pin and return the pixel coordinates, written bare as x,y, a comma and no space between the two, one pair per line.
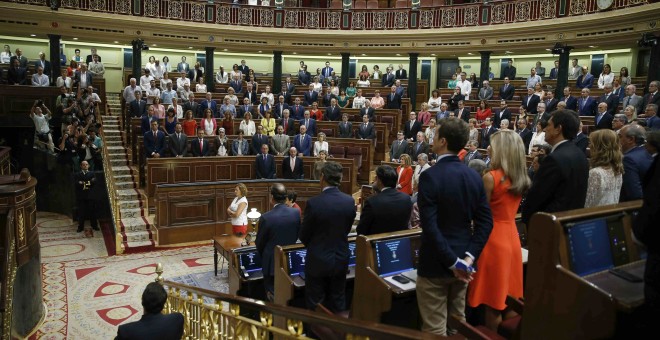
159,271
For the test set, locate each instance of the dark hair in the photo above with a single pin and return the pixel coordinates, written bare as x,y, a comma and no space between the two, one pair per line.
332,173
387,175
540,157
543,123
546,147
278,190
154,298
455,131
292,195
569,122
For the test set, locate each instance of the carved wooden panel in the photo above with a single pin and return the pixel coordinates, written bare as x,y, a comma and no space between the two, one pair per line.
245,171
159,175
203,173
182,173
223,172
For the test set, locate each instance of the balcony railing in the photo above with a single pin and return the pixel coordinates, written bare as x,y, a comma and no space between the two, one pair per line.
491,13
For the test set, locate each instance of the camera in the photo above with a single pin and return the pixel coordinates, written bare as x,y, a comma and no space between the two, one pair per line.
40,103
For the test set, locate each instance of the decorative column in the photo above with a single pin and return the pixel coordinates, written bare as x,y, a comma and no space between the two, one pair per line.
137,58
412,81
562,77
54,55
208,67
345,64
277,72
484,70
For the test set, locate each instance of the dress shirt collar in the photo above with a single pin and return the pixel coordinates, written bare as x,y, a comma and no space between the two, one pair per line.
558,144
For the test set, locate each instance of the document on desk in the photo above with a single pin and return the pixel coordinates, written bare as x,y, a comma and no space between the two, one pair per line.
525,255
404,286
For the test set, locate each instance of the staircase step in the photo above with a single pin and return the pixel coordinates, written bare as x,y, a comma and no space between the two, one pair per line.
129,204
131,212
122,170
134,224
139,244
125,185
128,194
137,236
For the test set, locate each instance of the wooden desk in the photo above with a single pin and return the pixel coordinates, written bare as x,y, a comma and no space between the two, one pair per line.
225,243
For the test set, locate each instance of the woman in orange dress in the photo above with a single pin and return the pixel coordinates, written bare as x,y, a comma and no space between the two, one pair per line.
405,172
483,112
189,124
499,267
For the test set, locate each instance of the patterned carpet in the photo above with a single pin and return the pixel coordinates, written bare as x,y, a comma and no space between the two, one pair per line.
88,293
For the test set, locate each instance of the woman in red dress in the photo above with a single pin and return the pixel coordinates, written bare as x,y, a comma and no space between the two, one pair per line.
315,113
405,172
499,267
189,125
483,112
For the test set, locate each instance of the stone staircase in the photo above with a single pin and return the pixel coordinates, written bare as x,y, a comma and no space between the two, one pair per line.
135,229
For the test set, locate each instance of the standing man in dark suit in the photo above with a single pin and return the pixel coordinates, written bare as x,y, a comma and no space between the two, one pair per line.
192,105
366,130
393,99
554,73
388,78
153,324
264,164
636,161
420,146
82,78
398,148
401,73
251,94
387,211
586,105
297,110
603,120
280,106
411,127
154,141
610,99
22,60
507,90
85,181
503,113
292,165
90,57
178,142
304,77
16,75
509,71
258,139
310,96
183,66
288,86
550,101
138,107
327,221
288,124
45,64
244,68
473,153
462,113
345,127
581,140
326,72
199,146
148,119
452,239
368,110
245,108
653,97
571,102
333,112
303,142
561,181
208,103
278,227
486,132
524,132
531,101
309,124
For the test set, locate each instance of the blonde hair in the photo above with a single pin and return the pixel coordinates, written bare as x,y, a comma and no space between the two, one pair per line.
425,106
508,154
406,161
242,188
605,150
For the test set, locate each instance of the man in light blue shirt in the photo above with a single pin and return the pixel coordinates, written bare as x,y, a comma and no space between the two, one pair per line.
167,95
533,79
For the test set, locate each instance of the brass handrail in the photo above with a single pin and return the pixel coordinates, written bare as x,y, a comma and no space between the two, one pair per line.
9,267
111,189
222,318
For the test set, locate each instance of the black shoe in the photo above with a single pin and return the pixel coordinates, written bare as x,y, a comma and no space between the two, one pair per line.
96,228
79,229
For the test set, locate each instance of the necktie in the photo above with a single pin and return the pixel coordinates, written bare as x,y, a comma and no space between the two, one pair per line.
293,163
286,123
506,86
201,145
627,101
264,157
154,135
364,126
307,123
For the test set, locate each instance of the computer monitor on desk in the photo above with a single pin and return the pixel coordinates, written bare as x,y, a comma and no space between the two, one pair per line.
296,262
393,256
353,254
589,246
250,264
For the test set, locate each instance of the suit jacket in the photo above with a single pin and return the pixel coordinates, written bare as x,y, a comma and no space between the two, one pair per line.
587,107
245,148
152,144
465,115
530,106
326,99
258,142
264,168
327,221
560,184
47,69
291,88
304,78
240,113
485,136
418,148
311,126
585,81
138,109
370,111
472,155
83,191
178,146
388,80
280,144
502,114
90,59
194,107
279,110
554,72
146,123
278,227
551,105
507,94
635,101
22,61
605,122
17,76
310,97
620,93
297,112
244,69
304,147
289,127
486,93
153,326
182,67
571,102
196,150
612,103
286,95
636,163
401,74
526,136
236,85
398,148
297,172
411,132
385,212
393,102
645,225
208,105
333,114
368,132
651,99
254,99
508,71
447,233
581,141
345,130
76,78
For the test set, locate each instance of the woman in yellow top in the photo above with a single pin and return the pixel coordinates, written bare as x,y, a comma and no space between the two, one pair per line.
268,124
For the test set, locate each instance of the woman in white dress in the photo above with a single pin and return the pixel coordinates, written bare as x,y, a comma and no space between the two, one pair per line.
247,125
539,135
201,86
605,176
5,56
167,67
166,80
363,82
150,64
606,77
222,142
208,123
358,101
430,131
221,77
434,102
320,144
237,210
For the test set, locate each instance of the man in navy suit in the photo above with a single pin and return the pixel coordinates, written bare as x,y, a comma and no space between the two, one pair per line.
653,97
309,123
486,132
244,68
327,221
388,78
154,141
264,164
333,112
303,142
280,106
278,227
636,161
297,110
411,127
345,127
208,103
571,102
236,84
147,119
82,78
585,80
258,139
586,105
419,147
16,75
531,101
245,108
610,99
138,107
503,113
153,324
507,90
524,132
251,94
199,147
327,70
452,239
292,165
555,71
561,181
603,120
367,129
310,96
550,101
393,99
387,211
288,86
288,124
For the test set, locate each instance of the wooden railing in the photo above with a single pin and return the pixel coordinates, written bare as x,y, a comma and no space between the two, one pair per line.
7,270
223,318
464,15
5,160
113,195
